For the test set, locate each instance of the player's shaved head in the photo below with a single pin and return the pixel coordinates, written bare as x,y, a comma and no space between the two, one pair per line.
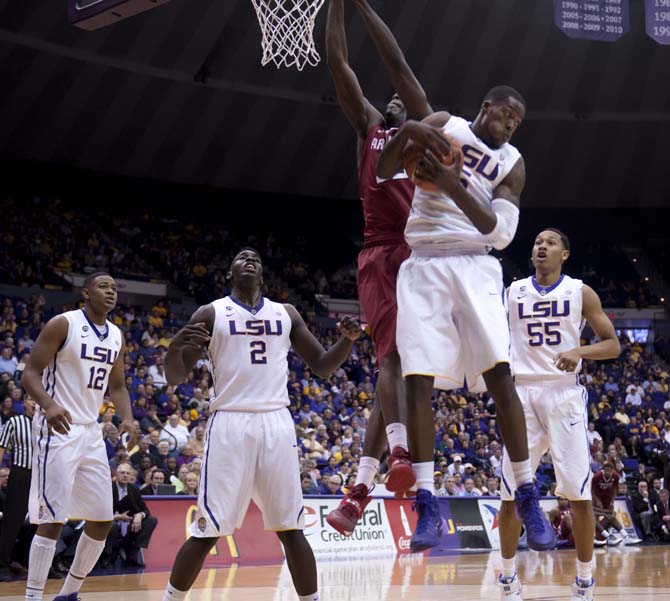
500,94
88,281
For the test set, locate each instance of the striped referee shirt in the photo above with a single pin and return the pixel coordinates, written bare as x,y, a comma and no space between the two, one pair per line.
17,435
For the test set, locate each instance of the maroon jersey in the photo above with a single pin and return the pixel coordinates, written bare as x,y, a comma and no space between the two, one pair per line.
605,490
386,204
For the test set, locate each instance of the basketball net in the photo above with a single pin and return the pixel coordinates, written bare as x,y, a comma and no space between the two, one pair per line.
287,28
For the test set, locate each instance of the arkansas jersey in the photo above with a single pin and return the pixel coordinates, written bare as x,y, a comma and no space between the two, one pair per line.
605,490
248,351
77,376
544,321
386,203
435,221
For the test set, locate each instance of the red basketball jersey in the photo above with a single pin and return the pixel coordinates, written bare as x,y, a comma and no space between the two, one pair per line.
605,490
386,204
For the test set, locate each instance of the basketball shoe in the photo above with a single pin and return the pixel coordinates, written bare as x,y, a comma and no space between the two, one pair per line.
582,591
429,526
631,540
345,517
400,477
540,534
70,597
510,589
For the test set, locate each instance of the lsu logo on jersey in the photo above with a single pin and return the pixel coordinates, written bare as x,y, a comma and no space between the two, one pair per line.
478,161
256,327
553,308
99,354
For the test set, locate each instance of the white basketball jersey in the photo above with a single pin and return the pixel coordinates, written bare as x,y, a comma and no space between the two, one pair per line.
77,376
544,321
435,221
248,352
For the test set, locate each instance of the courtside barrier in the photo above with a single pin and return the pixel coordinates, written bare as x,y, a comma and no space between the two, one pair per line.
470,524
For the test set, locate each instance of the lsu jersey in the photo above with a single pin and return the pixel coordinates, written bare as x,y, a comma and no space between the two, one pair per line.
248,352
77,376
544,321
436,224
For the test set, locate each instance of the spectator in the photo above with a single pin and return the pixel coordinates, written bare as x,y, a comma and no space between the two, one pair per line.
469,486
198,440
175,433
133,523
643,510
308,485
334,485
8,362
493,487
592,434
662,514
157,478
190,485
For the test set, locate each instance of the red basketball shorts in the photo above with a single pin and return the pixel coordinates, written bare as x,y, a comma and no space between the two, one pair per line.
377,273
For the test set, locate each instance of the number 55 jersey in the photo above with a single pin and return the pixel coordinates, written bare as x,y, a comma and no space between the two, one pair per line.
544,321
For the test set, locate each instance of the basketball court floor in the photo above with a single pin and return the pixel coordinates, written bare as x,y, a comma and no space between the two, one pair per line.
623,574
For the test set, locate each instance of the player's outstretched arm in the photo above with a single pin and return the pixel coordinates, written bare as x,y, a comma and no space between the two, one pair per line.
355,106
321,361
121,399
188,343
51,338
426,133
608,347
402,77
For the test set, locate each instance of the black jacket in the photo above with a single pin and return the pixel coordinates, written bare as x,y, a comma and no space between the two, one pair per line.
132,503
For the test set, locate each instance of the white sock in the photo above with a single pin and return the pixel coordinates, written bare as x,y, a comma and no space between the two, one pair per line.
87,553
523,474
42,552
173,594
397,435
508,567
367,468
424,476
584,571
606,533
312,597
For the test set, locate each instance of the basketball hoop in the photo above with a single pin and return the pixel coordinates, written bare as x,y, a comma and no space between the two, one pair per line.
287,28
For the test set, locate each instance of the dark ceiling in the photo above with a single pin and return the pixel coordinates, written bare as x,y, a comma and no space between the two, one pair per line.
178,94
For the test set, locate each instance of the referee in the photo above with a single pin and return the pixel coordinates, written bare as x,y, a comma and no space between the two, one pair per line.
16,435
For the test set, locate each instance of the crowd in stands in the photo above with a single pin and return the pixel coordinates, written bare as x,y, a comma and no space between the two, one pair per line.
629,406
195,255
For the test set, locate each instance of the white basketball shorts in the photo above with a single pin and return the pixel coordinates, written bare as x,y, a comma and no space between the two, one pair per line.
249,456
71,478
556,421
452,318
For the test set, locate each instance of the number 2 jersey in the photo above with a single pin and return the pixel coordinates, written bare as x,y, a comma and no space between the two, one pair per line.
248,351
544,321
77,377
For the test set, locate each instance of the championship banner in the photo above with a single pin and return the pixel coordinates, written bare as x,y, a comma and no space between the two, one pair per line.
657,20
600,20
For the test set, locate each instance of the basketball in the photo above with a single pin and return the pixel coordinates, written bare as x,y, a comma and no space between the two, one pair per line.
413,153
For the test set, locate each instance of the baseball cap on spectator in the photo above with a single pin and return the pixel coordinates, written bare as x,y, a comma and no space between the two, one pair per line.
457,458
438,473
468,466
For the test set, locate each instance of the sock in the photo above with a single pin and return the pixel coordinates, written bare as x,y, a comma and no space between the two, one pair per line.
584,571
312,597
173,594
606,533
397,435
87,554
42,552
424,476
367,468
508,568
523,474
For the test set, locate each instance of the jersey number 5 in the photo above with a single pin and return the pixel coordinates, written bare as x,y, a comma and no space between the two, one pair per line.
97,378
258,349
544,332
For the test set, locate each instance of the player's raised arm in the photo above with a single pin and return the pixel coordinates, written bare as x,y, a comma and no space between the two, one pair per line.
51,339
186,346
321,361
355,106
402,77
608,347
120,397
426,133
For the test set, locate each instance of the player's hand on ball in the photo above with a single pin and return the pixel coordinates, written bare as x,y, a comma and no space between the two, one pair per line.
567,361
58,419
429,137
129,427
194,336
349,328
431,169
